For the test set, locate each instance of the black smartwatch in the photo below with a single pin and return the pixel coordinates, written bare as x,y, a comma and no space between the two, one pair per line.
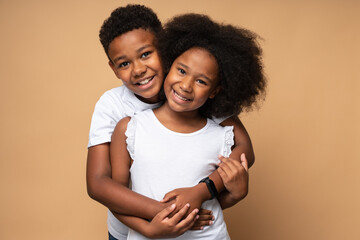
211,186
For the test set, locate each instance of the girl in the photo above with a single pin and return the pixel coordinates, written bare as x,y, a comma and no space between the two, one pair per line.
216,71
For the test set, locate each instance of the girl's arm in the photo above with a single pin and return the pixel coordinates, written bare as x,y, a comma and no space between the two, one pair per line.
233,174
236,178
199,193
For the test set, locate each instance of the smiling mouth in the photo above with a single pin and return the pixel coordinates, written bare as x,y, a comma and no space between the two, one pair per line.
181,97
144,82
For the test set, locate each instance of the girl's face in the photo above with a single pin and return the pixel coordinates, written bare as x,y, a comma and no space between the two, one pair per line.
192,80
136,62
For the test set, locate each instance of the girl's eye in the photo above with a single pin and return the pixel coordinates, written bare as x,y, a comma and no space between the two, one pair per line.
201,82
181,71
145,54
123,64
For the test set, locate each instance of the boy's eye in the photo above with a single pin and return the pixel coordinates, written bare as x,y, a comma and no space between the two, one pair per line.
145,54
123,64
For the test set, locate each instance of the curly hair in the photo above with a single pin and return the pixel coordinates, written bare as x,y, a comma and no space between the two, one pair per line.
128,18
238,55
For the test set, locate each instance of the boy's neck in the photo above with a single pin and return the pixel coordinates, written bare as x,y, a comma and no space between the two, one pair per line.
182,122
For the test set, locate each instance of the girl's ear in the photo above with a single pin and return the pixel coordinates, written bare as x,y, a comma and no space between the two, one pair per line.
215,92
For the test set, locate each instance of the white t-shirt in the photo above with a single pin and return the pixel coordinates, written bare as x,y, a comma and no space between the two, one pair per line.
165,160
112,106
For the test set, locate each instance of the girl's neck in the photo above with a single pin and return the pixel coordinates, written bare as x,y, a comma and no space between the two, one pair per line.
182,122
151,100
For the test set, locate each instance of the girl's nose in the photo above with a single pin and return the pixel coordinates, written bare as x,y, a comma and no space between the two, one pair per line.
186,84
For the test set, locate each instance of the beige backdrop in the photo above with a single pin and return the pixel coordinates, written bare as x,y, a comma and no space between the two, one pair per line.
304,184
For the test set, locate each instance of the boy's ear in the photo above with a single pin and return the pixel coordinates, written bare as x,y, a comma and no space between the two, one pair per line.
215,92
113,68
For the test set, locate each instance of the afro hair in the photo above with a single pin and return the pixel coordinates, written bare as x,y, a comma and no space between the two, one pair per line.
236,50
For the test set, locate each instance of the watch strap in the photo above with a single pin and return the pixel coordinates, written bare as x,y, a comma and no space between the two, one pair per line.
211,186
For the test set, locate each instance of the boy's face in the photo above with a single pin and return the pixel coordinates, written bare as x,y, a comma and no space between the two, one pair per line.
136,62
192,80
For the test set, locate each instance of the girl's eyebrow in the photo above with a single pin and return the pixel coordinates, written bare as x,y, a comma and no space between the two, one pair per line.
183,65
201,75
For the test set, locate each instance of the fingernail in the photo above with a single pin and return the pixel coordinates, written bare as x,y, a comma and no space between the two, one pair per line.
172,205
213,218
188,205
211,222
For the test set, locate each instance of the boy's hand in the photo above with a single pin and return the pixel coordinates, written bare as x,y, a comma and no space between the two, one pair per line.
235,176
163,226
191,195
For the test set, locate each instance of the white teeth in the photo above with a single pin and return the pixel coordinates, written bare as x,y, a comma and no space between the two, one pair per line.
182,98
145,81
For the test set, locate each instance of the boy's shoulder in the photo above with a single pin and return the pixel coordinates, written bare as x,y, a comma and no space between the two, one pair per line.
115,92
118,95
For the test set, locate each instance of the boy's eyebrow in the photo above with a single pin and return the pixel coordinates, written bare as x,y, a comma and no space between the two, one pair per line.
118,58
201,75
138,51
143,47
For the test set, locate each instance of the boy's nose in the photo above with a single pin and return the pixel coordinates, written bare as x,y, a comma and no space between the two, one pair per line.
139,69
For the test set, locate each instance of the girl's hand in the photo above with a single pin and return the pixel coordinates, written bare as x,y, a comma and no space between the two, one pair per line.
235,176
163,226
191,195
206,218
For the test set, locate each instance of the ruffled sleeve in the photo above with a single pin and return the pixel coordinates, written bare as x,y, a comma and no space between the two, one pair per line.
130,137
229,141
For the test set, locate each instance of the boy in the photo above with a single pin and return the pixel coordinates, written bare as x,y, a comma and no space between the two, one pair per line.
129,37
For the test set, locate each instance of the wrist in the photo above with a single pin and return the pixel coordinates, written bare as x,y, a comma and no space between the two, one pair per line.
156,208
203,191
148,231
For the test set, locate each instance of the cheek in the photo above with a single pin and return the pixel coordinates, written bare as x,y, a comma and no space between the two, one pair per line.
170,78
203,96
156,63
124,76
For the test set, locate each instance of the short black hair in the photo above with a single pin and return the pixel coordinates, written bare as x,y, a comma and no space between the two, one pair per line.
128,18
236,50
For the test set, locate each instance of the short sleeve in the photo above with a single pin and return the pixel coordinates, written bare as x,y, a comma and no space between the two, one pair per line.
104,120
228,140
130,137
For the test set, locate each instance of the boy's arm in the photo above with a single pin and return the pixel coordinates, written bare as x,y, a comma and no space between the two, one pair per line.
242,141
162,225
102,188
